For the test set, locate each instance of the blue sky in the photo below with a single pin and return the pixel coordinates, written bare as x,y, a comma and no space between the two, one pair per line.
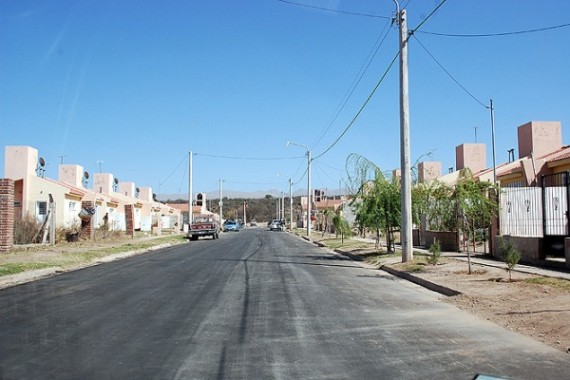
132,86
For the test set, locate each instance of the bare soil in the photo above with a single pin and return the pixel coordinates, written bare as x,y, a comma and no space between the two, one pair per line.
536,310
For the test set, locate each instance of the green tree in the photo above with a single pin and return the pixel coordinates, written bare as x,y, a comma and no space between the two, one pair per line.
476,206
341,226
378,207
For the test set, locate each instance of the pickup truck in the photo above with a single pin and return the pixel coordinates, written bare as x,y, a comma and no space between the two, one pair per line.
203,225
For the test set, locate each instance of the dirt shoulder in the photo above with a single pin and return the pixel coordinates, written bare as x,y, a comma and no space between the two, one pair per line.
538,309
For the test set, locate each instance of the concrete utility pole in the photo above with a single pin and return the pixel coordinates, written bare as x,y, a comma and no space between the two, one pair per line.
221,203
493,137
291,204
406,189
308,154
190,216
290,201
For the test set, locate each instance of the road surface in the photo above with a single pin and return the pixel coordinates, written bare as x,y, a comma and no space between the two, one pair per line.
253,304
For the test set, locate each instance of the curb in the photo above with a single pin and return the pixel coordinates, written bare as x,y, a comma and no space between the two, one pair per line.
420,281
448,292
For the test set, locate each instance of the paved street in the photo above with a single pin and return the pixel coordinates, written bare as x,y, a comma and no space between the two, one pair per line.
251,305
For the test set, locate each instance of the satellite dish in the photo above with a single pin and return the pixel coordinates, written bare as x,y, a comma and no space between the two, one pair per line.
137,190
42,162
116,181
86,175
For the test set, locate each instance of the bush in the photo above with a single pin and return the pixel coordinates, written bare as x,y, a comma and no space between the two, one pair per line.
26,230
435,251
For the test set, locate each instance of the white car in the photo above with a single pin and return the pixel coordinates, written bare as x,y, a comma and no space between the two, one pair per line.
276,225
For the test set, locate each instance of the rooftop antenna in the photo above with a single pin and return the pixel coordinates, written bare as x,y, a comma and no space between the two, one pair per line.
99,162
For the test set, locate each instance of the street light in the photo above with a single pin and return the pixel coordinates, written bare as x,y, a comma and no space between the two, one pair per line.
308,154
290,200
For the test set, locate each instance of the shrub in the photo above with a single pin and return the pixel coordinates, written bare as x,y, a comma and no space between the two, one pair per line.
511,256
26,230
435,251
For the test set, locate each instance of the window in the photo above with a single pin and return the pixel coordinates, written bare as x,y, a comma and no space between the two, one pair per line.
41,208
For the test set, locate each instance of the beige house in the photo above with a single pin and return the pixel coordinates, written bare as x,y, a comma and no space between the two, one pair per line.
68,195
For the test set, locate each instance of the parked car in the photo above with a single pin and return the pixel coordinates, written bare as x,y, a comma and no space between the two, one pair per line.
231,225
276,225
203,225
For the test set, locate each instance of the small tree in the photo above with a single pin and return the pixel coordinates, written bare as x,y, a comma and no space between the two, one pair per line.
511,257
341,227
435,251
476,204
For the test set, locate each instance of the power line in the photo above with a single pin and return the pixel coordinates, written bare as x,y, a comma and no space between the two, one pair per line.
361,108
379,82
412,31
247,158
333,10
449,74
355,82
174,171
498,34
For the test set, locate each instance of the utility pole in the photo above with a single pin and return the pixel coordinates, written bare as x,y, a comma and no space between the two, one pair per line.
291,204
406,189
308,154
221,203
493,137
190,216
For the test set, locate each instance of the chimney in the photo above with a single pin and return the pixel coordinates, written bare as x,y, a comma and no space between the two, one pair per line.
539,138
20,162
470,156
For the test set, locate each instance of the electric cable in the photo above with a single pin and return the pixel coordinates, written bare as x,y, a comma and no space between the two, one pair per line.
449,74
247,158
497,34
379,82
361,108
333,10
350,91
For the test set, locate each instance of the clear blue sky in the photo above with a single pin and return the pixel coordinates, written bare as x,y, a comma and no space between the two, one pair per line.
139,84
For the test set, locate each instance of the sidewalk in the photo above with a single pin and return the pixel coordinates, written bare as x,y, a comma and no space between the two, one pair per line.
479,259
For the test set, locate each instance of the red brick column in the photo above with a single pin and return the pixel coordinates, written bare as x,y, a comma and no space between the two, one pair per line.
87,225
6,214
130,220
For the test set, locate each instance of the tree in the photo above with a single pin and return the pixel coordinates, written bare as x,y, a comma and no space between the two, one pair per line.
341,226
511,257
379,207
476,205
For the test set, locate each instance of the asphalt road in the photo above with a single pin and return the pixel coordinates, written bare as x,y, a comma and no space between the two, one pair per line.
251,305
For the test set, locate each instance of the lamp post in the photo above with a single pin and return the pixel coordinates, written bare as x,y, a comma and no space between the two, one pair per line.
308,154
290,200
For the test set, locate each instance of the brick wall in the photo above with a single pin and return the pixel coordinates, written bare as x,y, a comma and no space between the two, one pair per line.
6,214
87,225
130,219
